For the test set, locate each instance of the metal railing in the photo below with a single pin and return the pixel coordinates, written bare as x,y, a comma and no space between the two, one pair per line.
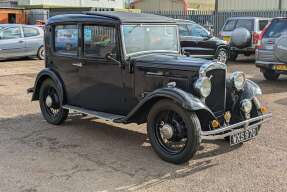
212,20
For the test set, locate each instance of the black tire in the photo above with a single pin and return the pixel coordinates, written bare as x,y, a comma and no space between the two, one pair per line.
41,53
53,113
222,55
233,56
190,127
270,75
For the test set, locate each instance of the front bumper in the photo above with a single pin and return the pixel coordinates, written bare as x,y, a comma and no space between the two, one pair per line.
223,132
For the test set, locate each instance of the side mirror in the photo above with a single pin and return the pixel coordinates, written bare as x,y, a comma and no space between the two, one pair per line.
110,57
186,53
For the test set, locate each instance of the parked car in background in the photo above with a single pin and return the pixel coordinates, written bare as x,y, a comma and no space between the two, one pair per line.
18,40
271,49
247,45
127,68
196,41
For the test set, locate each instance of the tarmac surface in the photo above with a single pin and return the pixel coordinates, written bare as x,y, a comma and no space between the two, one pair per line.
88,155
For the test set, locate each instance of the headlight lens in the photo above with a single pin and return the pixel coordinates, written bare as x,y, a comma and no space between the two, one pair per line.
246,105
203,86
238,79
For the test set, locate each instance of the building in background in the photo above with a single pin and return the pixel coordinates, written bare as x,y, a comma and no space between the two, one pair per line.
12,15
116,4
173,5
8,3
250,5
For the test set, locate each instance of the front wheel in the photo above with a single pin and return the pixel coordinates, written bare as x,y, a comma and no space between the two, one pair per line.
50,103
222,55
174,133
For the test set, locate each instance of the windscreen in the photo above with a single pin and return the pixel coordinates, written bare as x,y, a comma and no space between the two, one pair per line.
150,38
276,29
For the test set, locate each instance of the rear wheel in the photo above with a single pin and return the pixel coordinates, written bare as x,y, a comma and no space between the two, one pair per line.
271,75
41,53
174,133
51,104
233,56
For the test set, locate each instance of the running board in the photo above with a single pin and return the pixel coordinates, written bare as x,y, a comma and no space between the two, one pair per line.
100,115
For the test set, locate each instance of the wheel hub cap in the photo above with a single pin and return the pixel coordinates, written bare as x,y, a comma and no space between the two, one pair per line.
166,131
49,101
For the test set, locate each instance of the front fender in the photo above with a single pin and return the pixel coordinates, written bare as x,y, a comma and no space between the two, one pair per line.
251,90
184,99
41,77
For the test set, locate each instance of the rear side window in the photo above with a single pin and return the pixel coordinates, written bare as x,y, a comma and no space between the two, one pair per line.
230,25
276,29
10,33
245,23
183,31
30,32
262,24
66,39
198,31
99,41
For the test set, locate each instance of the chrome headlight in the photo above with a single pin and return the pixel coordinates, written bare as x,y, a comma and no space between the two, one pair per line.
203,86
246,105
238,79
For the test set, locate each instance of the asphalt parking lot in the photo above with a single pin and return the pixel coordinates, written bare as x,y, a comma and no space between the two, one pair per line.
88,155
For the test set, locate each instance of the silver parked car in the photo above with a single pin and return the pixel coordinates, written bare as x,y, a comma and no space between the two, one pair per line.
18,40
271,52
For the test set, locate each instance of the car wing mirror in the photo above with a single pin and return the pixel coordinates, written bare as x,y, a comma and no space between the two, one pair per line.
110,57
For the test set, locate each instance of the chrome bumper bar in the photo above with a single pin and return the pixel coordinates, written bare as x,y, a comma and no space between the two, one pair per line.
235,128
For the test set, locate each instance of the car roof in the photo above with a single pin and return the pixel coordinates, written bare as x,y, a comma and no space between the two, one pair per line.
182,21
247,18
17,25
112,16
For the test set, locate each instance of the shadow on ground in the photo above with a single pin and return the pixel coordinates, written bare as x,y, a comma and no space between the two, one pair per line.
119,150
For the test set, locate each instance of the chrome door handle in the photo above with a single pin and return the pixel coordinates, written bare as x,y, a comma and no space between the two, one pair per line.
21,41
77,64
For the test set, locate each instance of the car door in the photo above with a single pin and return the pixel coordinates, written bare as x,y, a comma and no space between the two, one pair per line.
102,86
205,46
65,59
12,42
33,38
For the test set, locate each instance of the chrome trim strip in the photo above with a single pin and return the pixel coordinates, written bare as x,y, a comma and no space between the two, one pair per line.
211,66
270,62
233,129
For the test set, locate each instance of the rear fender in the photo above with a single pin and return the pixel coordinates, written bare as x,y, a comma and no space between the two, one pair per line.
41,77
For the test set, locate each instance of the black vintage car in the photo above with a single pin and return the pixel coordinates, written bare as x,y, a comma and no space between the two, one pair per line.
127,68
196,41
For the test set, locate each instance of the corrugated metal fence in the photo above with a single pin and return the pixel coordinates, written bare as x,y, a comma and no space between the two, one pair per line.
215,21
210,19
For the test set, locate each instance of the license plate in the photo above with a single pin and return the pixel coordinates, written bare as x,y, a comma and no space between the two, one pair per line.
243,136
227,38
280,67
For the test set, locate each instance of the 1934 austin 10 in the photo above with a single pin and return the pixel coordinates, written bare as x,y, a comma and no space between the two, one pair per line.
127,68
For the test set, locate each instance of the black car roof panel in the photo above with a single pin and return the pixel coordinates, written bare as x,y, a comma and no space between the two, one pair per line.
113,16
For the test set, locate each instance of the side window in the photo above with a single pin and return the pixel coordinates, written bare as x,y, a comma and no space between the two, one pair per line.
230,25
66,39
30,32
183,31
246,23
11,33
99,41
198,31
262,24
